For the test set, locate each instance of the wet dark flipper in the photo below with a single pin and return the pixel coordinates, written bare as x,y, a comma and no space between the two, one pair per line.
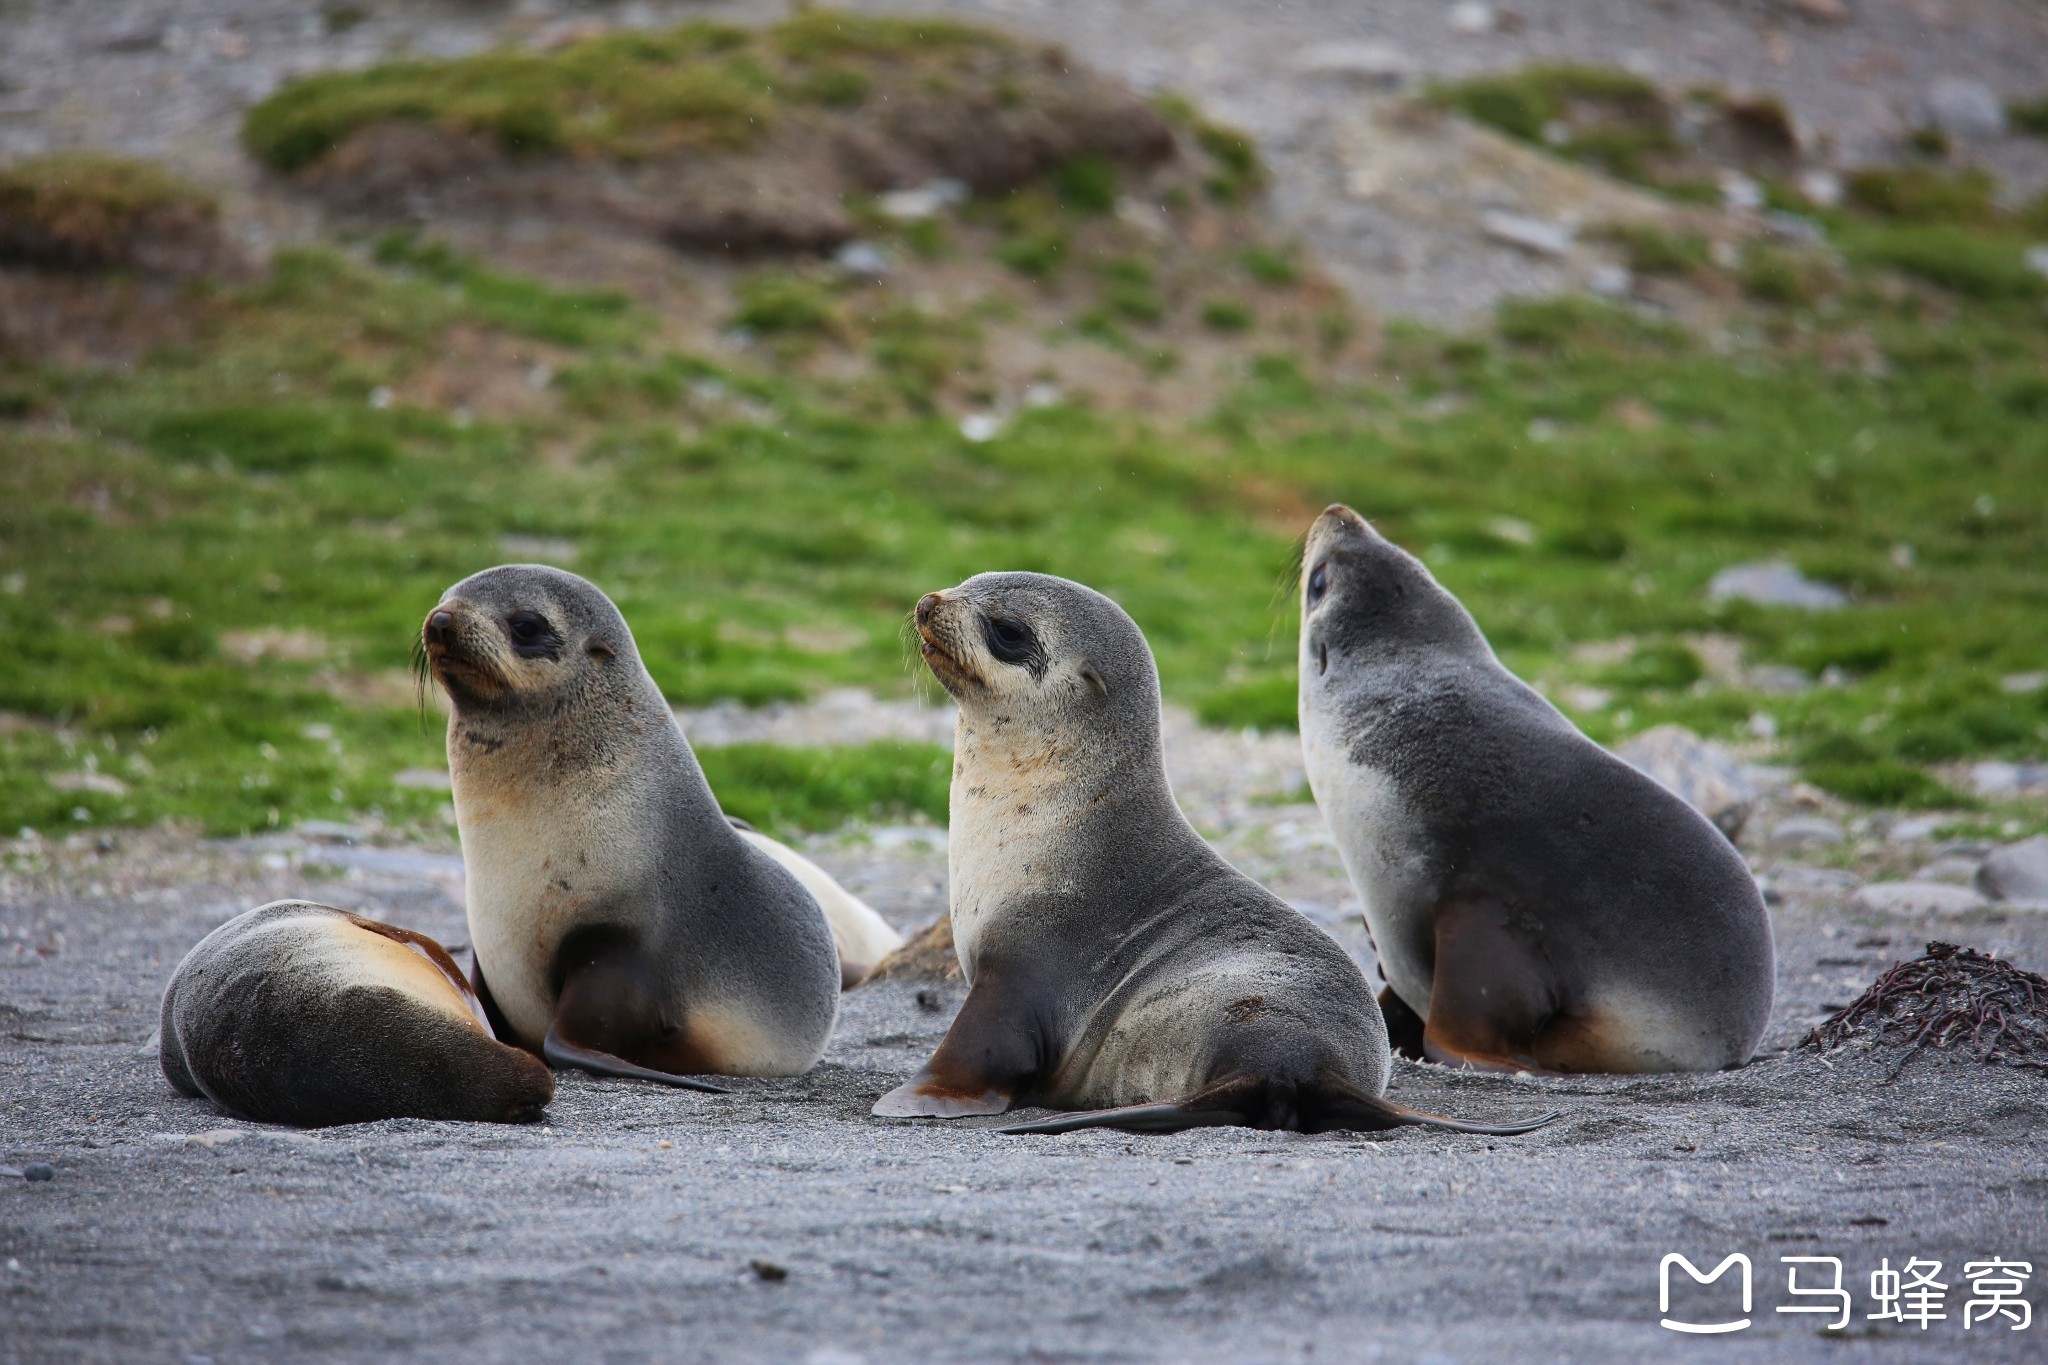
1331,1105
560,1052
990,1055
1339,1105
1225,1105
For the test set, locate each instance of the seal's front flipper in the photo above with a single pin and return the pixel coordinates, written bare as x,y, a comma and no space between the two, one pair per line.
608,1019
560,1052
1339,1105
921,1097
996,1047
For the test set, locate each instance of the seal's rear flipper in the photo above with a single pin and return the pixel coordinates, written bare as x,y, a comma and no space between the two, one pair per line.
1135,1118
560,1052
1345,1107
1236,1102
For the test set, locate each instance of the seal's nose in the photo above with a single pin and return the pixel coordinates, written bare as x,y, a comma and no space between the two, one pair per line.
441,628
926,605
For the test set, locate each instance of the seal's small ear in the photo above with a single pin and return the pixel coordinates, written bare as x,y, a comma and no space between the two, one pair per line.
598,649
1094,679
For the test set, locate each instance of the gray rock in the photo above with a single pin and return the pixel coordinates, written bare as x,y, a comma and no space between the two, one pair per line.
1610,281
1533,235
1808,883
1948,871
1806,831
1370,64
1999,778
2017,872
1774,583
1473,17
328,832
862,260
1913,828
1915,898
1962,107
1777,680
37,1171
1709,778
925,201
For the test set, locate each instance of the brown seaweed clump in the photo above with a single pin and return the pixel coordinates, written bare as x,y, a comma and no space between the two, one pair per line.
1951,998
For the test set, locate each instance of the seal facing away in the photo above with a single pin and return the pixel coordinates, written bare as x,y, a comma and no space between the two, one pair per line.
620,923
303,1014
1115,963
1536,903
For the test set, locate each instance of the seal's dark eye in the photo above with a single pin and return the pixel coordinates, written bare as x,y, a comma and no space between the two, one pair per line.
1010,641
1318,583
532,636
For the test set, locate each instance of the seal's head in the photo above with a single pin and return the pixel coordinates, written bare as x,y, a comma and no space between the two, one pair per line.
1364,597
522,636
1032,643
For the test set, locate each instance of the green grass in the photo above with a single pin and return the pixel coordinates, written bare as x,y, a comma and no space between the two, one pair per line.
2029,116
213,563
626,94
1657,251
778,788
571,317
1603,116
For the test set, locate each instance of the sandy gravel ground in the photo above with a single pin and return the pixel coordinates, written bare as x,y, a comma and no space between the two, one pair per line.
172,1233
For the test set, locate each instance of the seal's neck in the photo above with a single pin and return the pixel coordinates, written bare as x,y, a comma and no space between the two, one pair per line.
1036,807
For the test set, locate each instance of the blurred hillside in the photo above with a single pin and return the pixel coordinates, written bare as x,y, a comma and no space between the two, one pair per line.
770,329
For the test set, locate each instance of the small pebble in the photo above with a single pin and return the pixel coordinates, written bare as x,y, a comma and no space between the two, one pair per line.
769,1271
38,1170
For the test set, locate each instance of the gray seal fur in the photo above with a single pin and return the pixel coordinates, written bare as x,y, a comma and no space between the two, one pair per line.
303,1014
1535,902
1116,964
620,923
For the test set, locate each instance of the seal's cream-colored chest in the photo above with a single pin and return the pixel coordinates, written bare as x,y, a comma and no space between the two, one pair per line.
538,863
1007,811
1381,849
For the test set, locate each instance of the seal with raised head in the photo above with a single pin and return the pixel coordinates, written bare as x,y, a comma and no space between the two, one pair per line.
620,922
303,1014
1535,902
1115,963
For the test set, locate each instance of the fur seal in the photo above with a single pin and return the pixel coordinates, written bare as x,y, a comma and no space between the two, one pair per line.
303,1014
1115,963
620,923
1536,903
862,937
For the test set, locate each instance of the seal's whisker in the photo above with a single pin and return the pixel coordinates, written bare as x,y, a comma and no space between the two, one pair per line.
422,678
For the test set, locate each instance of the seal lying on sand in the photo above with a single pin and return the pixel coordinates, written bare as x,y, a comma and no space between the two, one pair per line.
1115,962
304,1014
1535,902
620,923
